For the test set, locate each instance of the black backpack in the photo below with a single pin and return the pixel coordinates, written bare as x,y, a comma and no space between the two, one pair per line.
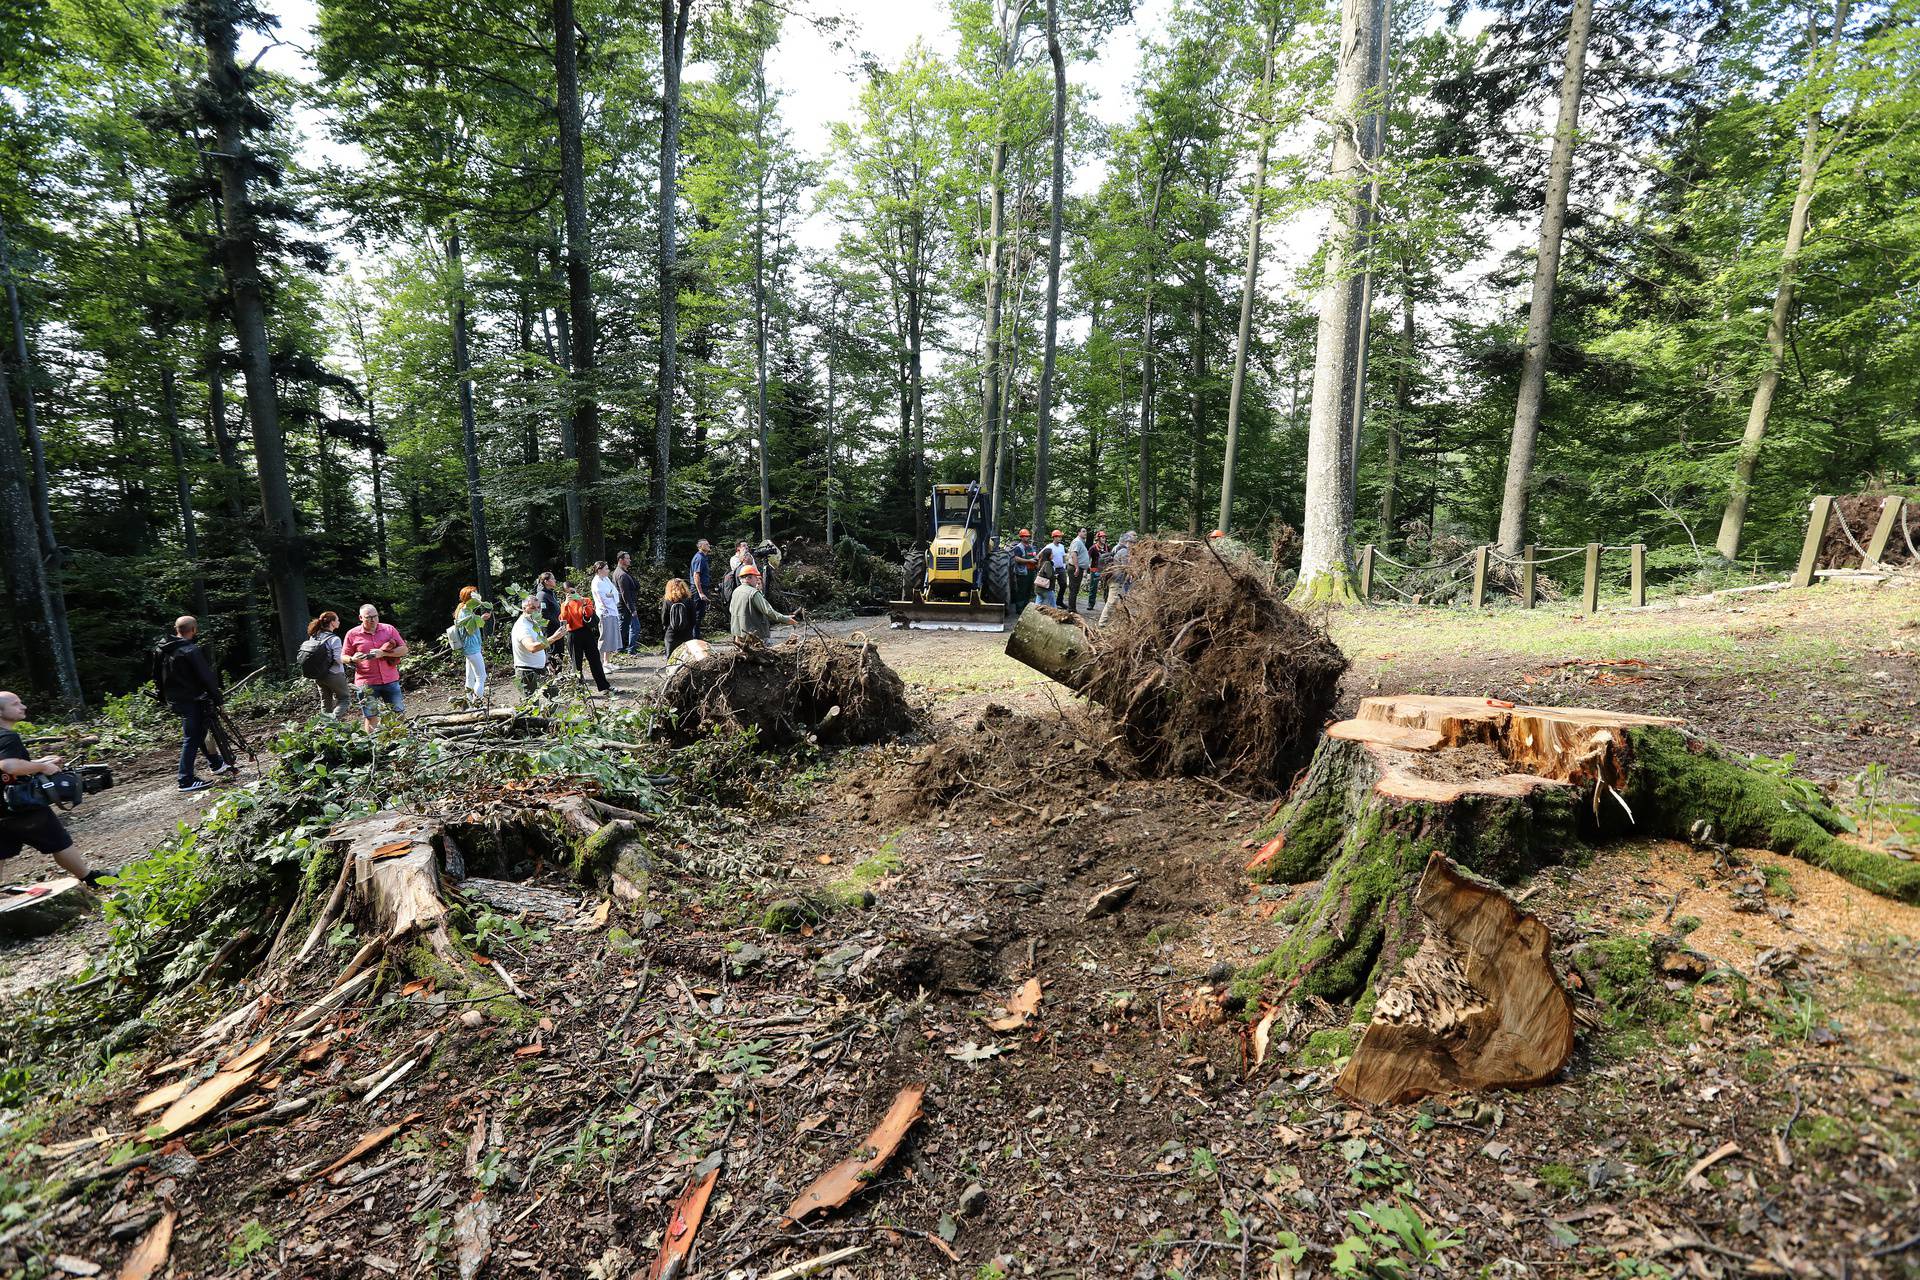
160,663
315,658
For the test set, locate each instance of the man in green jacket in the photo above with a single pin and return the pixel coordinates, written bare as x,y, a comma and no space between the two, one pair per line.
752,615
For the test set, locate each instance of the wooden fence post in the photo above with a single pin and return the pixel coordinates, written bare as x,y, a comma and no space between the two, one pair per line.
1817,512
1529,575
1590,594
1638,575
1479,577
1883,532
1366,572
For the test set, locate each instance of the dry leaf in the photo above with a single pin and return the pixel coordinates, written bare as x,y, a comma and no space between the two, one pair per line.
150,1255
1025,1003
836,1186
529,1051
1262,1036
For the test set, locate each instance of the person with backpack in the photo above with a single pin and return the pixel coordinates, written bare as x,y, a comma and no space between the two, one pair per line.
38,825
470,618
320,662
676,614
583,637
184,680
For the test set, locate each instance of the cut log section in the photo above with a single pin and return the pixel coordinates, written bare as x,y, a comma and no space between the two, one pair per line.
35,910
1053,642
1477,1005
396,878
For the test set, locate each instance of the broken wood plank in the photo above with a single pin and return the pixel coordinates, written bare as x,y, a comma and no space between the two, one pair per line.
683,1224
368,1144
150,1255
837,1185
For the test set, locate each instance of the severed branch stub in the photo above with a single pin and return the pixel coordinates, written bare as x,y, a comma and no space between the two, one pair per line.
1477,1005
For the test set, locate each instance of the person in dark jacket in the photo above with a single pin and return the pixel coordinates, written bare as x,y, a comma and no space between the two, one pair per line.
676,614
700,578
186,682
629,588
548,594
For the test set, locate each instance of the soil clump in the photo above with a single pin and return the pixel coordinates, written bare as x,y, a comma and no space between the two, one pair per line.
830,692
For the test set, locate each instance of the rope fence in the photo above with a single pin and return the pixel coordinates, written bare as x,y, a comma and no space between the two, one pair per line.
1529,562
1894,517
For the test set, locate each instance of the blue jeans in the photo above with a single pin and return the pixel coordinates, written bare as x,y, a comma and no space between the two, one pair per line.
630,633
372,695
194,719
699,615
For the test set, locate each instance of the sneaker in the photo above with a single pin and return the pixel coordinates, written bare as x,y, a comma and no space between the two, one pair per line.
198,784
226,769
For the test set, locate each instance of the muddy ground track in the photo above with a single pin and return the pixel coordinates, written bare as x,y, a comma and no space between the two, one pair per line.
1117,1133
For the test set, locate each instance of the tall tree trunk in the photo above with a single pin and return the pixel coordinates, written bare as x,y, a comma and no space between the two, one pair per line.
233,479
915,387
1146,351
1196,395
585,397
560,351
240,255
760,292
183,486
673,52
1373,137
1326,552
1402,410
1249,283
1546,270
469,437
1056,200
1819,65
60,637
831,337
25,572
990,375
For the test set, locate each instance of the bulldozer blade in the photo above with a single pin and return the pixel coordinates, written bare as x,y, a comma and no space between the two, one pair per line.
947,615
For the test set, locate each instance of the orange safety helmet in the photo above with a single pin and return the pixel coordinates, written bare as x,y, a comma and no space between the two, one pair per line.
1056,534
1026,533
1217,533
749,570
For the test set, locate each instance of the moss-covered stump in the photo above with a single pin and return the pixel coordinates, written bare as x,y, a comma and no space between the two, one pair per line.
1501,791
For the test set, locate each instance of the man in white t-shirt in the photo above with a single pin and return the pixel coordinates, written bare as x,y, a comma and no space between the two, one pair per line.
530,647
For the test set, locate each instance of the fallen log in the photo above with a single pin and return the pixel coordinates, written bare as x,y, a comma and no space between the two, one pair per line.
1053,642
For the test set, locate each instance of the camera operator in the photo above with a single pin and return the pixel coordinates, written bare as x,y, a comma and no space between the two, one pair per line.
184,680
39,826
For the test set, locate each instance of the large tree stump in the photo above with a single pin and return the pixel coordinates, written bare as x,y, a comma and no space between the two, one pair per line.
396,879
1500,791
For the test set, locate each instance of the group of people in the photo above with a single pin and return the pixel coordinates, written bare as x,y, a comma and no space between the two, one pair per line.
1055,572
560,620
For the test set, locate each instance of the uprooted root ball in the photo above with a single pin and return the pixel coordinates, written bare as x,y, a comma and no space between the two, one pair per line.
829,691
1004,761
1208,671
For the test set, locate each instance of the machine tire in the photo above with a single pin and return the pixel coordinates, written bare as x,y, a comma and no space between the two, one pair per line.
913,575
998,587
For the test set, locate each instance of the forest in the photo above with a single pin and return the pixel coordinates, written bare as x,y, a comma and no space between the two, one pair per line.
483,291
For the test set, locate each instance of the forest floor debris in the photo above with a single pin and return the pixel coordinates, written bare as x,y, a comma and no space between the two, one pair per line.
1132,1126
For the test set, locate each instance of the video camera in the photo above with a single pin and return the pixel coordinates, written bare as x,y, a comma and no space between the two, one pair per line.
66,788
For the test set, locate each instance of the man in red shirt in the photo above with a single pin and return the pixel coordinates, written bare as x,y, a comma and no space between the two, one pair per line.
370,649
